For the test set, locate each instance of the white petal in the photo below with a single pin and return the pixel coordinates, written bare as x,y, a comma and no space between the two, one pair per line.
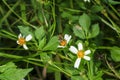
87,58
20,35
17,42
80,46
86,0
73,49
87,52
29,37
25,46
77,63
67,37
61,46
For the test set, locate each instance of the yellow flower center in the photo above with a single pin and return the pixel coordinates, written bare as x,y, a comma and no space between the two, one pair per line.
80,54
63,42
21,41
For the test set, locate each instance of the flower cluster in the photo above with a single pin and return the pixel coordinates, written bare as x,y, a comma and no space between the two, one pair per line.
79,52
62,44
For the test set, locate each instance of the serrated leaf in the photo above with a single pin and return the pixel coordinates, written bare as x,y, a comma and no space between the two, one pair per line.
52,44
11,72
14,74
79,32
85,22
42,43
115,54
7,66
39,33
24,30
94,31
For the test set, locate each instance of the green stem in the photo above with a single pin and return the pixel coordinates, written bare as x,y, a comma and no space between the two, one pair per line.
114,10
4,1
23,11
57,73
60,69
19,57
113,70
44,17
108,73
10,11
103,47
90,70
54,24
71,3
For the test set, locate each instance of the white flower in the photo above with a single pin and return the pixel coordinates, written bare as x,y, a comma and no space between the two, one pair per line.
80,54
22,40
64,41
86,0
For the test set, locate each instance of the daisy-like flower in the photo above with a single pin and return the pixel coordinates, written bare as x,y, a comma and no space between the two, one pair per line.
80,54
22,40
86,0
65,41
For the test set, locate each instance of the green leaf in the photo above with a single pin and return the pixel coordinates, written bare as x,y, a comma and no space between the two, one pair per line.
85,22
115,54
94,31
39,33
99,75
79,32
44,57
76,78
10,72
42,43
66,15
52,44
24,30
7,66
96,8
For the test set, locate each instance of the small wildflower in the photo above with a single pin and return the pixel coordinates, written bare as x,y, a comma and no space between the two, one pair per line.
65,41
86,0
80,54
22,40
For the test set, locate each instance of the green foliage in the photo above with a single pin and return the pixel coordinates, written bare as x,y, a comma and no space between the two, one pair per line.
10,71
94,23
79,32
76,78
94,31
96,8
24,30
42,43
115,53
84,31
52,44
113,2
85,22
44,57
39,33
